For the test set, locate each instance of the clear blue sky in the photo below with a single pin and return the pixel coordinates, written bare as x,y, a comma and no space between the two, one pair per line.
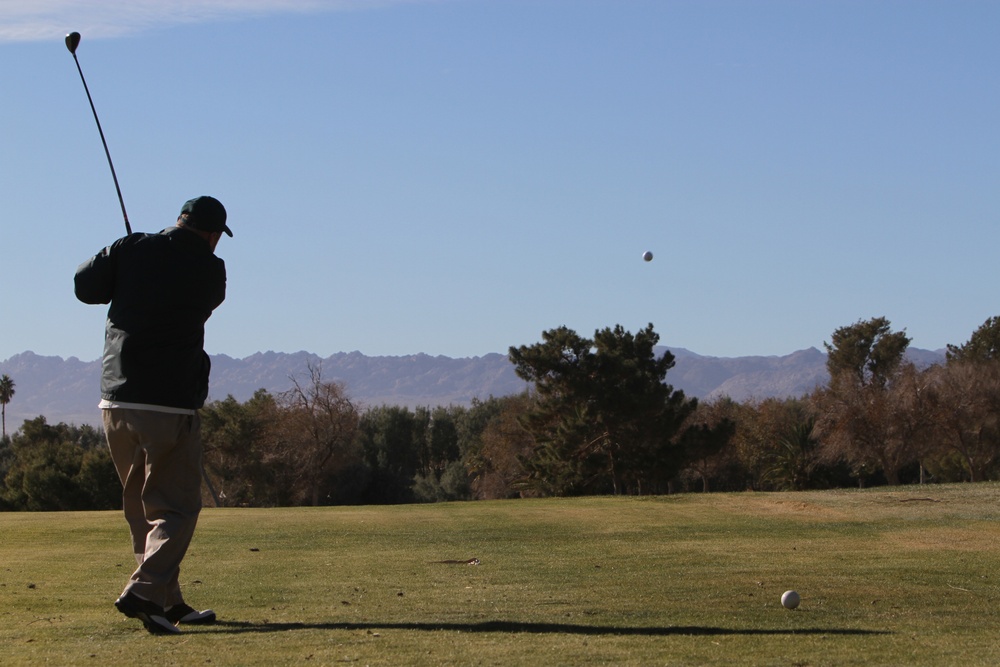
456,176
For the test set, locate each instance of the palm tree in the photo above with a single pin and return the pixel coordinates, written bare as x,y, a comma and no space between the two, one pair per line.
6,393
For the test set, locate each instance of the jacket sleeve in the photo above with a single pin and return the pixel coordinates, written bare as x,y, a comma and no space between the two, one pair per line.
95,279
219,288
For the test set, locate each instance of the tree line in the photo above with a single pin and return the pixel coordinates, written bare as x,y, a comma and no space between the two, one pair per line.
600,418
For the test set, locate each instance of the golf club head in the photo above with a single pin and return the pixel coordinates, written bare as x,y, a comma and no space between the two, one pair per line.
72,41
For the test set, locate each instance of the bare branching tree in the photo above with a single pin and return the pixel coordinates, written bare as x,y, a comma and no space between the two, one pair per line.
315,433
966,413
498,466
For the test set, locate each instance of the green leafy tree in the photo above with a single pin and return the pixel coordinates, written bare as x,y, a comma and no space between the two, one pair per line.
436,437
236,456
794,459
983,345
442,473
6,460
471,423
387,436
565,460
867,352
855,422
60,467
761,427
709,442
6,394
604,420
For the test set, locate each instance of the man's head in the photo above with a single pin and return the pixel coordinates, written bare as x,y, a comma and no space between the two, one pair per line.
206,214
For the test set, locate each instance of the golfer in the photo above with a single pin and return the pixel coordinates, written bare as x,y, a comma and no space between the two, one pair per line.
162,288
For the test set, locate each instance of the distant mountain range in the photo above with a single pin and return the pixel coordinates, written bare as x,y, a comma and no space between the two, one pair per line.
67,390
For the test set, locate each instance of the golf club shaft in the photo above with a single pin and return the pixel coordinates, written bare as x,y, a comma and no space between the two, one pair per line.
128,227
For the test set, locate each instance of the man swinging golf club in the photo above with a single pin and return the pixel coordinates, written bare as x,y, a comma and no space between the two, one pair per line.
161,289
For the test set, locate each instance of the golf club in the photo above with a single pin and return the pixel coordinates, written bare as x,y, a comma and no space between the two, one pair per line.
73,41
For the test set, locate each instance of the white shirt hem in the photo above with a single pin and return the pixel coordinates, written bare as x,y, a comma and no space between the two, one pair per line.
105,404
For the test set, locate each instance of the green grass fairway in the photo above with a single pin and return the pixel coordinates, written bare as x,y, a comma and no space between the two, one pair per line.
899,576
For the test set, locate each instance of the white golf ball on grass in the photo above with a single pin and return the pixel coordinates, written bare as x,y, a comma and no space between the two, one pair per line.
790,600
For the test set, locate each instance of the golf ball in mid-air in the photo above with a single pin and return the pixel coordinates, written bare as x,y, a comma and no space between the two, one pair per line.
790,600
647,256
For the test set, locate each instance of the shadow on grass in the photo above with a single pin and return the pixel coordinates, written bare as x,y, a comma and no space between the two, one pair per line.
237,627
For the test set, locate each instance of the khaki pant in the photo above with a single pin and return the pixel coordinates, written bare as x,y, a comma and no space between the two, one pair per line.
158,459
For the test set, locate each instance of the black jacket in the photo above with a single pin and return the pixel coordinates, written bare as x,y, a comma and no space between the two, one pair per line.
162,288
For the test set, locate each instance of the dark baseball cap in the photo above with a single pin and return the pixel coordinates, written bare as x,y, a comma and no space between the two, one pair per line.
207,214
